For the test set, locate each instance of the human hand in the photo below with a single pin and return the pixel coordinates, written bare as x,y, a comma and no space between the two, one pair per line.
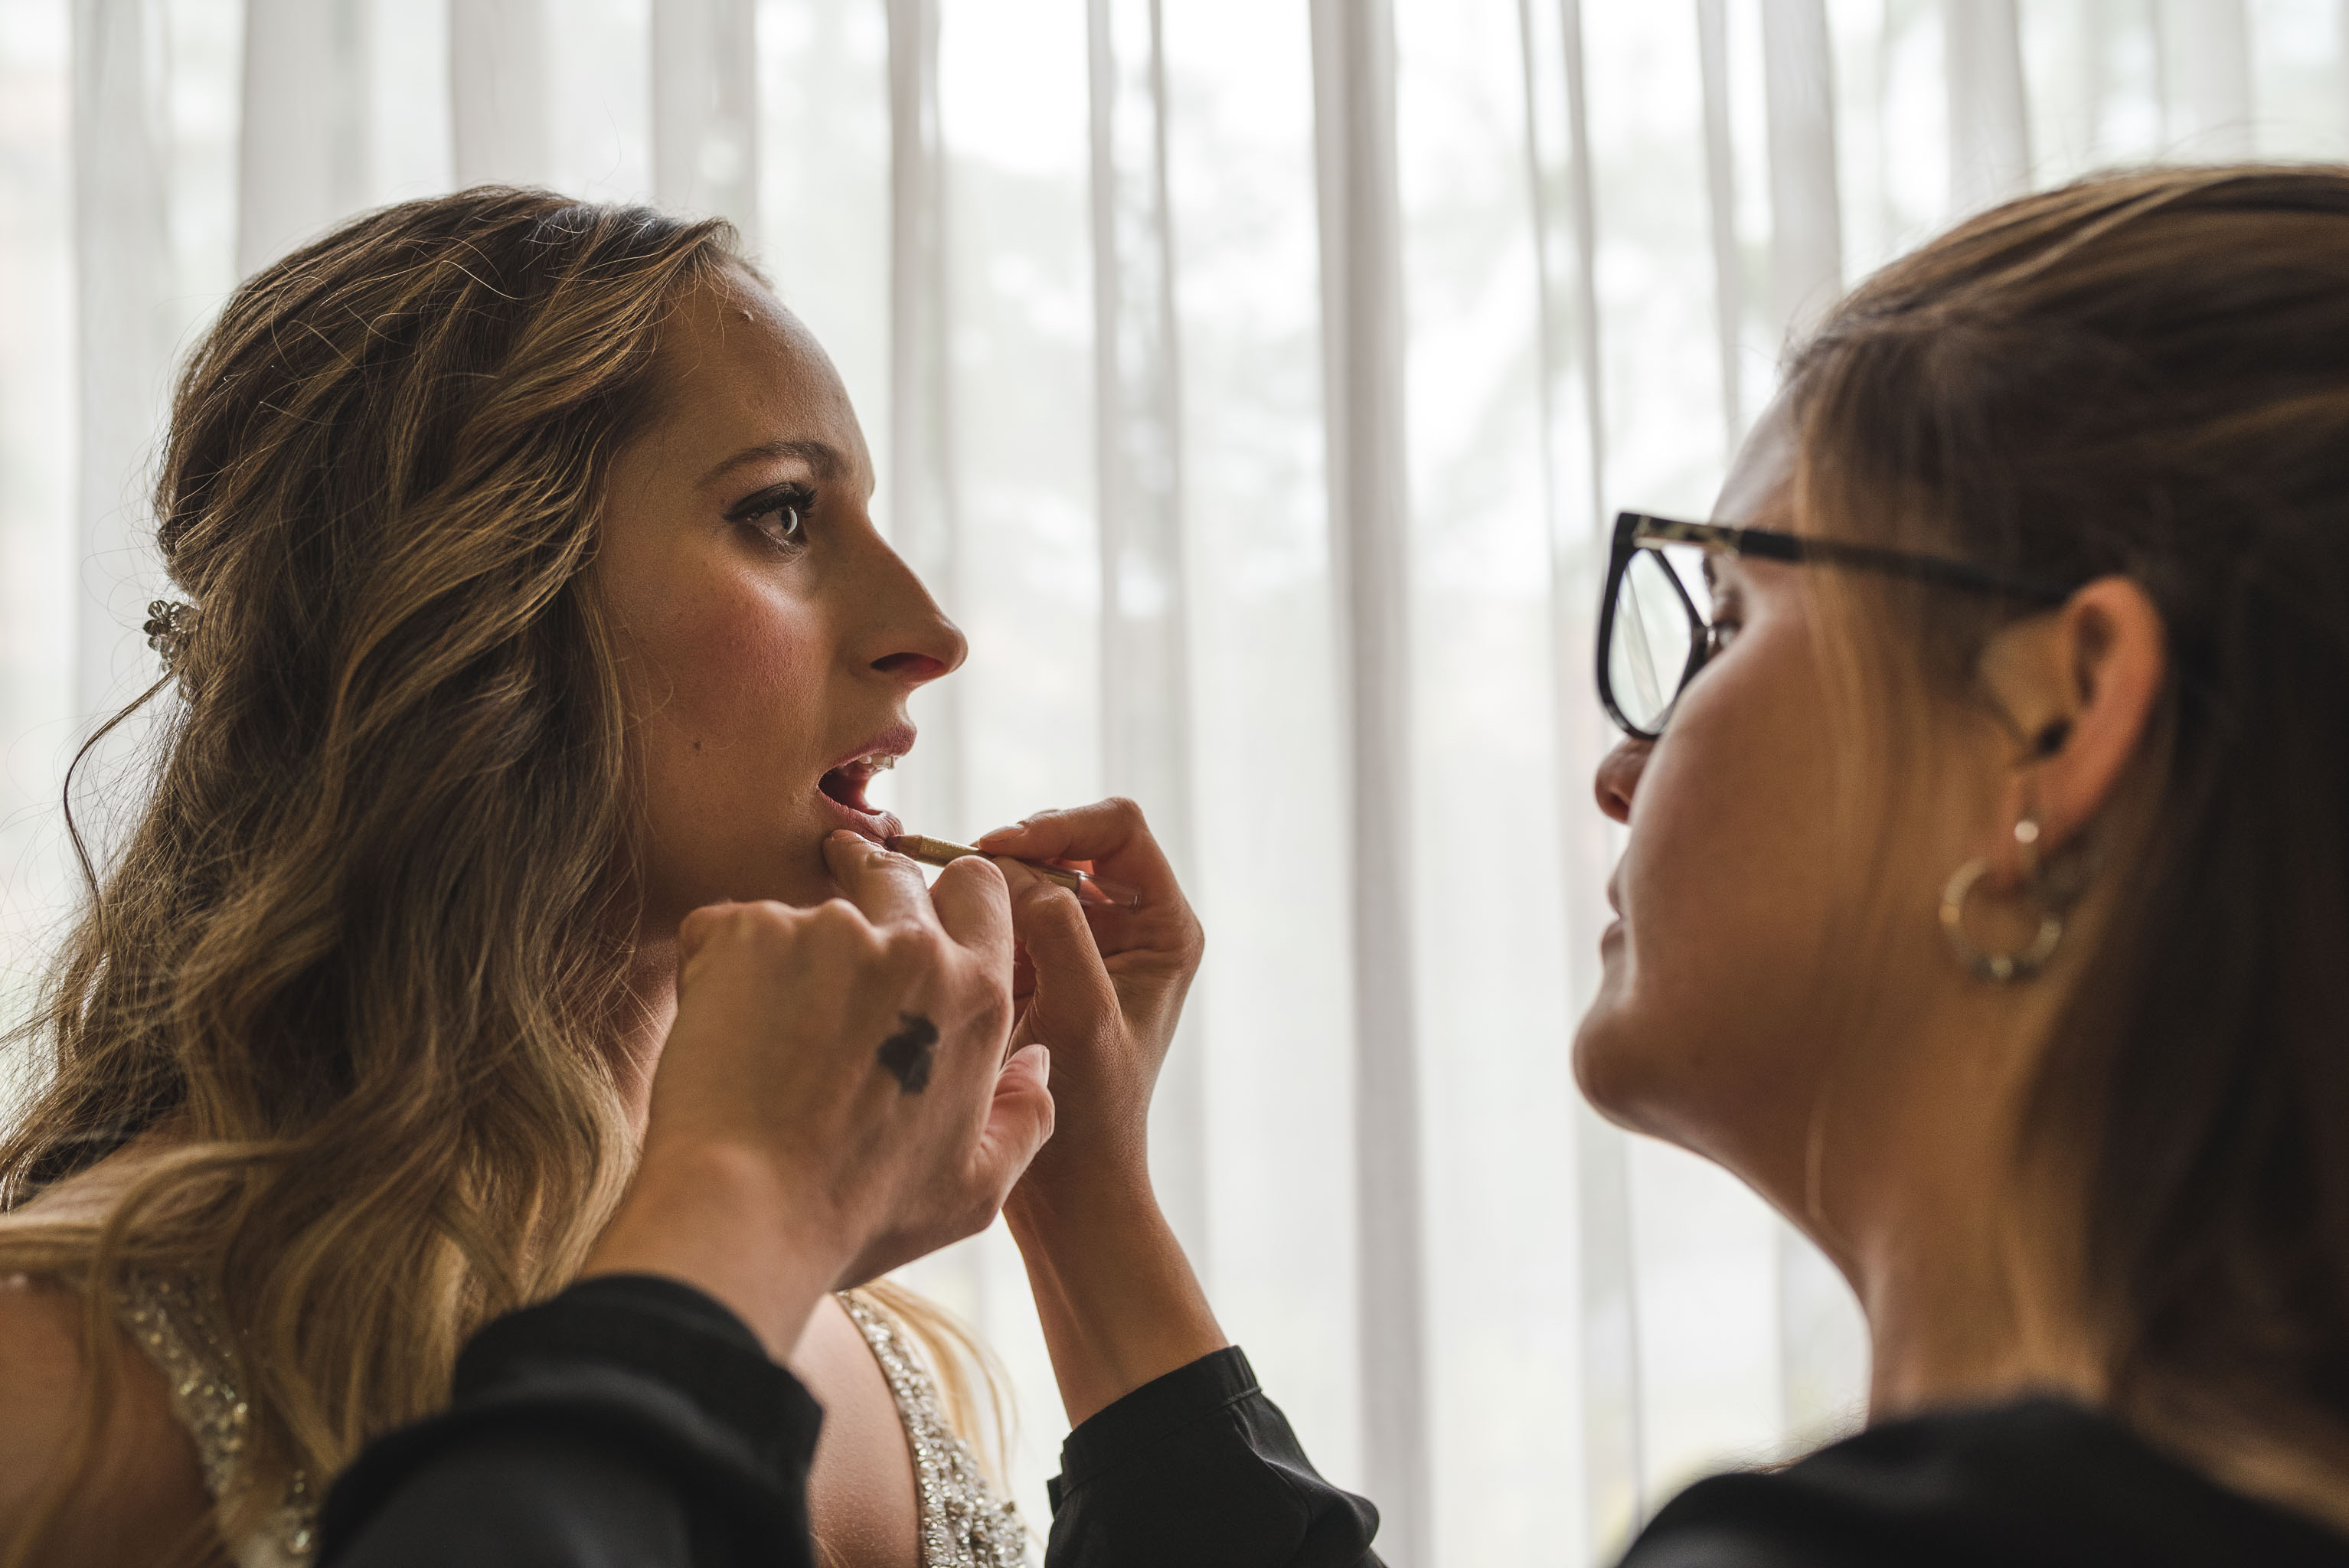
1101,986
834,1099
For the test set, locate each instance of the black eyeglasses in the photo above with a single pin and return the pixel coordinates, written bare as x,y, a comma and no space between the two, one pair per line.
1652,639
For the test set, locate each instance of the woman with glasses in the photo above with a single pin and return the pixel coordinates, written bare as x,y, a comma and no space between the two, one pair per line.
1985,906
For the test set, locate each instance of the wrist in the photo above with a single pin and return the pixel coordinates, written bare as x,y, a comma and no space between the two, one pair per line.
1089,1171
1119,1303
1090,1202
726,1222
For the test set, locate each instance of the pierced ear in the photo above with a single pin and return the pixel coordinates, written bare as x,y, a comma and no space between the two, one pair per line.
2095,688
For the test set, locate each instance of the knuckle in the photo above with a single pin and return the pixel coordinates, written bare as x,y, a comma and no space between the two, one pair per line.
1124,807
835,925
991,1007
904,948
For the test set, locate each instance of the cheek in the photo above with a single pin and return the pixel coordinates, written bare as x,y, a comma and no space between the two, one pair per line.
739,666
728,677
1707,1014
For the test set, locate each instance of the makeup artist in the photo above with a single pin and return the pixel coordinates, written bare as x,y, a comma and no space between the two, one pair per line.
1985,906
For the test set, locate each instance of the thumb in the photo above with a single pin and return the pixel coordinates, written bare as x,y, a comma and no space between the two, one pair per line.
1019,1119
1051,924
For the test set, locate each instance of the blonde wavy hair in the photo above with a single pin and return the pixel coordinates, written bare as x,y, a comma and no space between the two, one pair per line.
354,986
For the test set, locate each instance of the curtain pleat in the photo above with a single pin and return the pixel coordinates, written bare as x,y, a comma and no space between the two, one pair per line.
1990,132
2205,48
124,334
705,108
1721,201
1805,204
500,116
1574,443
923,497
302,159
1363,435
1145,660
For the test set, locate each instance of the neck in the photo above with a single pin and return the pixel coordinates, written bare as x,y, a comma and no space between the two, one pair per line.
651,1007
1962,1255
1962,1311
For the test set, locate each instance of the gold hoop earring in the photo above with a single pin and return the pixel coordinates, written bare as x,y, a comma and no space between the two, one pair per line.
2001,968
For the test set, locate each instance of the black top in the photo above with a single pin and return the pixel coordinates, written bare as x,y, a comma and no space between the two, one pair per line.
635,1421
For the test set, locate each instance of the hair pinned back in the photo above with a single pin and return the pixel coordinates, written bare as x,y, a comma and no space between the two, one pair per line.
2148,375
360,963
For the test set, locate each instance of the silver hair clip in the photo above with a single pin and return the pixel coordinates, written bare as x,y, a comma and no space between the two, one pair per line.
167,627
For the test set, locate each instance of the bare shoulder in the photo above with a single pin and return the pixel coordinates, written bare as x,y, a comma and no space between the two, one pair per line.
144,1494
861,1500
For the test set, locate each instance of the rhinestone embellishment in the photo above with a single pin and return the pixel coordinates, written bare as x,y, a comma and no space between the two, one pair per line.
180,1334
966,1522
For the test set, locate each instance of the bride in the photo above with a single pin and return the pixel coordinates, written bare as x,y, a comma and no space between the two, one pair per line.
534,604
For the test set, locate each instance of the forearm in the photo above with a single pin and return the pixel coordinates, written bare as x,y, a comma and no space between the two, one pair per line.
1117,1298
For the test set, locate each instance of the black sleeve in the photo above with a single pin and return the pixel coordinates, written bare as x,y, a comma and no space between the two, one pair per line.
630,1420
1199,1468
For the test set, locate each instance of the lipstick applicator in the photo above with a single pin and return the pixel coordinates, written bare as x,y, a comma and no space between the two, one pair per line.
1084,884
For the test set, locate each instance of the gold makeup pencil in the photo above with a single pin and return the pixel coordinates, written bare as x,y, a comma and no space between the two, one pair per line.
940,852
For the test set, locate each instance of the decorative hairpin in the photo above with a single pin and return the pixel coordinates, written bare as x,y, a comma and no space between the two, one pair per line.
168,625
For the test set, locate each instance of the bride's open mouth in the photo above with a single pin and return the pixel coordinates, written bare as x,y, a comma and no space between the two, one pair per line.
844,786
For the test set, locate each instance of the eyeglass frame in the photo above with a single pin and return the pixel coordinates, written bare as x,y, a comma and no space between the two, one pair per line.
1636,530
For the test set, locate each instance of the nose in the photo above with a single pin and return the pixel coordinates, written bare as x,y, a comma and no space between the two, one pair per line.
910,638
1619,778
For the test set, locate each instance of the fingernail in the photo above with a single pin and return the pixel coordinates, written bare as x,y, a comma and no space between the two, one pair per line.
999,832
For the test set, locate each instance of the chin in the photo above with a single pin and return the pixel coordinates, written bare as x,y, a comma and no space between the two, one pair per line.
1626,1065
1606,1069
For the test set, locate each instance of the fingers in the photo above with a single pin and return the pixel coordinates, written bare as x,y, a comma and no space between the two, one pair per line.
696,928
1051,924
1018,1121
975,908
887,888
1111,834
706,935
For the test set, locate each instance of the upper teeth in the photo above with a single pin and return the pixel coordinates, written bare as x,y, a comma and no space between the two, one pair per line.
879,762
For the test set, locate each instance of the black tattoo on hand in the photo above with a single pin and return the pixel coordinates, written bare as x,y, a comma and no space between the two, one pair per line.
908,1052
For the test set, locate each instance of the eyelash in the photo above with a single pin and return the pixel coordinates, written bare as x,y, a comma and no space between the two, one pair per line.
796,499
1727,619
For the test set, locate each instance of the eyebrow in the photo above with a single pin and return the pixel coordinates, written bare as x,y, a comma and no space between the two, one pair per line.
821,456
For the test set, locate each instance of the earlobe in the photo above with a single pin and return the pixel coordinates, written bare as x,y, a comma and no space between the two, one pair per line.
2108,650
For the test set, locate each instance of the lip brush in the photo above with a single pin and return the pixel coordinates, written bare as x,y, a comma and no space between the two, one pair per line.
940,852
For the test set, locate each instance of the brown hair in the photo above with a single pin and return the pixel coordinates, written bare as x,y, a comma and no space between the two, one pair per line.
362,965
2147,373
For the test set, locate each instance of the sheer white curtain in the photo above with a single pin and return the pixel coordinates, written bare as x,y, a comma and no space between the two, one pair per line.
1251,381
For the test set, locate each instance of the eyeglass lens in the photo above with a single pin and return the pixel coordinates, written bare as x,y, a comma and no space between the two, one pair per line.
1657,632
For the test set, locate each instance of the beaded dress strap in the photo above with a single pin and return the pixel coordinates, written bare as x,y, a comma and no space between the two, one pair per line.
180,1334
965,1523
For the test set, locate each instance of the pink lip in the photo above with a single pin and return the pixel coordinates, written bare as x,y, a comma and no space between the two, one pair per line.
894,741
878,826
